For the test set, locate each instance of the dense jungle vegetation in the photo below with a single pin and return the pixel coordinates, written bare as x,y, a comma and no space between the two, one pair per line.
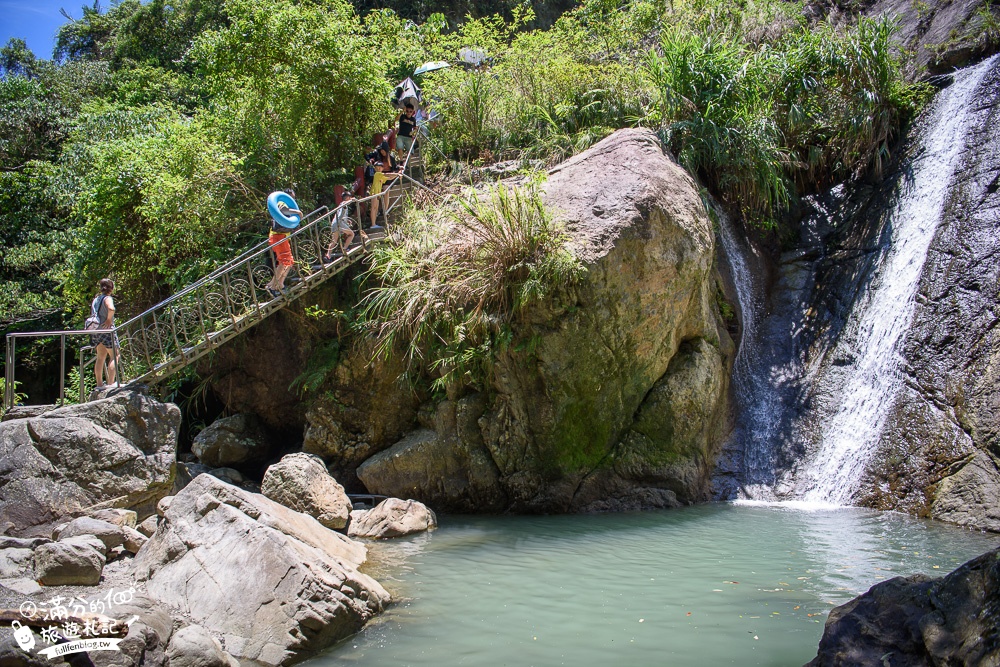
145,147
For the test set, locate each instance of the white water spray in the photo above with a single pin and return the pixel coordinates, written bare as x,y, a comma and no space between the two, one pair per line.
880,318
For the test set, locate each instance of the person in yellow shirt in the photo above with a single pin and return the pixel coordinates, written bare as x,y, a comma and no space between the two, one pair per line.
379,181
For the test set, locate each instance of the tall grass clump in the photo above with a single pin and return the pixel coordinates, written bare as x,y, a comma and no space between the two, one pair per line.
760,123
453,284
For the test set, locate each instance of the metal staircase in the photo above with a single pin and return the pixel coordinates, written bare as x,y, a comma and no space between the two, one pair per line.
178,331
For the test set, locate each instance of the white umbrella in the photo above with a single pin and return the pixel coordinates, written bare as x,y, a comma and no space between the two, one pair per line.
430,67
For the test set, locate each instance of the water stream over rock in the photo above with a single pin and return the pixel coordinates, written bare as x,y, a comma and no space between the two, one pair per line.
820,361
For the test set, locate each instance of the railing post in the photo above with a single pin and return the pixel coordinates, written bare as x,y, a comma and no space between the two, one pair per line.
82,383
8,387
229,301
62,369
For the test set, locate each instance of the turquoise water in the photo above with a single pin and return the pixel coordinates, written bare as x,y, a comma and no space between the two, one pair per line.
709,585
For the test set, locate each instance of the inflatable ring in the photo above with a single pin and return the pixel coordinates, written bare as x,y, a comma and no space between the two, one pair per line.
286,221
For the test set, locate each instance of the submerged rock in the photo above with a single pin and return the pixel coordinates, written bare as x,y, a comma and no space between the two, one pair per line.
392,518
118,450
920,621
272,584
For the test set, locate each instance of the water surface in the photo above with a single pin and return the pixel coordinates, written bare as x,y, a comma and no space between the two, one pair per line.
709,585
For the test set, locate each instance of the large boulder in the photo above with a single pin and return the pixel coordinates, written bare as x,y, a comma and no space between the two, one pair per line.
364,411
230,441
920,621
273,585
70,562
111,535
446,464
392,518
117,451
300,481
623,392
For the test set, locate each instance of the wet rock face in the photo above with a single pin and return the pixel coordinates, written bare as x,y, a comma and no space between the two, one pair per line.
937,452
119,449
941,446
601,409
918,621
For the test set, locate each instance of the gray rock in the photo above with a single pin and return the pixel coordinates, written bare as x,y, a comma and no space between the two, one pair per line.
919,621
164,505
24,587
89,541
11,655
119,517
230,441
273,584
392,518
941,34
25,411
300,481
228,475
117,450
194,646
109,533
21,542
148,527
15,562
68,563
186,472
141,647
133,540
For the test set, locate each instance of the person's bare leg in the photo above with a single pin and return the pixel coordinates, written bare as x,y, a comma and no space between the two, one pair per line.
102,355
373,210
112,366
279,276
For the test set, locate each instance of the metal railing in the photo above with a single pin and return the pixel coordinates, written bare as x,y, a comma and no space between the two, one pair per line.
178,331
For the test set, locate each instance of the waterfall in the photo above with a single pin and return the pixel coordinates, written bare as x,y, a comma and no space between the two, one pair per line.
880,318
755,432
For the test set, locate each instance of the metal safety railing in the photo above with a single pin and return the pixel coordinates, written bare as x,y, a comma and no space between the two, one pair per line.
178,331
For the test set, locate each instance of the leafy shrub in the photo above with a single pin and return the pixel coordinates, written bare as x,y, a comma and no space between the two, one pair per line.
453,282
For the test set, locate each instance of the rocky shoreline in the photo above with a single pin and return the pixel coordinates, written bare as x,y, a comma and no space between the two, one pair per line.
185,570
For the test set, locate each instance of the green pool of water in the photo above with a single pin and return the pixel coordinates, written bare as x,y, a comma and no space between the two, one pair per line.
709,585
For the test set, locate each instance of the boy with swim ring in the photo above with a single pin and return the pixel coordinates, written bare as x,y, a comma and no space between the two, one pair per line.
285,218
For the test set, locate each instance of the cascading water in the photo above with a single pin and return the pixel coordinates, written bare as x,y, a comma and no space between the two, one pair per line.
760,410
880,318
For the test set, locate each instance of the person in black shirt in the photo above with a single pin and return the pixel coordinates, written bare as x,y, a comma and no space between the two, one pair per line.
407,129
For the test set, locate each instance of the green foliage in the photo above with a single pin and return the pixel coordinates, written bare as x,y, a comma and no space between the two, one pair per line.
294,86
760,123
34,262
154,191
19,397
72,386
454,281
321,363
16,59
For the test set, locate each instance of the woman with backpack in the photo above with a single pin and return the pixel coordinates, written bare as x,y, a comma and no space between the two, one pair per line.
102,314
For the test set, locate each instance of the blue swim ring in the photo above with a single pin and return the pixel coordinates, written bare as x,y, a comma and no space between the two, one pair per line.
286,221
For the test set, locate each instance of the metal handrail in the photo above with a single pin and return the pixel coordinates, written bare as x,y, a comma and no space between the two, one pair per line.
184,327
